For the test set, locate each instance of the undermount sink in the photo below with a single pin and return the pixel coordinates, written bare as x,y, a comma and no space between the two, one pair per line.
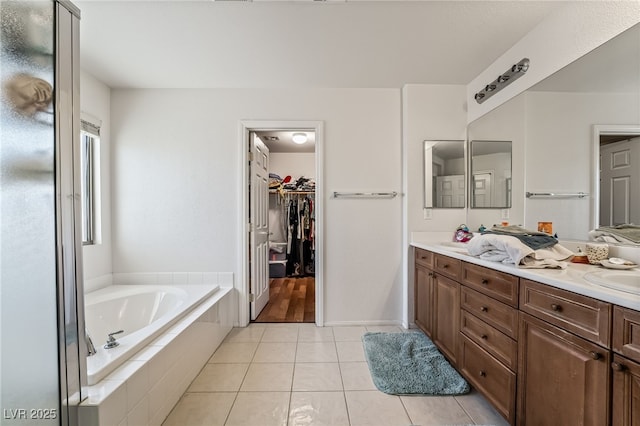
627,281
455,246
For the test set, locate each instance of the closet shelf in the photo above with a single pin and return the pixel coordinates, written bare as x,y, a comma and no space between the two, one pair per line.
275,191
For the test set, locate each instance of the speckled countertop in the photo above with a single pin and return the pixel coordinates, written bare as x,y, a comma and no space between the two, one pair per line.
571,278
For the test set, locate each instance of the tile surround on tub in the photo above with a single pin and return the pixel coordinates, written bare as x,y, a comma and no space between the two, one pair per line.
145,388
224,279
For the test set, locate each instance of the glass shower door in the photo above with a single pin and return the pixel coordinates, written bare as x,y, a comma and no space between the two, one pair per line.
31,355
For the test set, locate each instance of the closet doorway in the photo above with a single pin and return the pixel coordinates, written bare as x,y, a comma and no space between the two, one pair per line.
284,244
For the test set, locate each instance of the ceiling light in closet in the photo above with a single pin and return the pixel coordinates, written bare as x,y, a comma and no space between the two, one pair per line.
299,138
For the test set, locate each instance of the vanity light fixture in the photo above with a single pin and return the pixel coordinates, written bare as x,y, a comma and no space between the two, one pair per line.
299,138
503,80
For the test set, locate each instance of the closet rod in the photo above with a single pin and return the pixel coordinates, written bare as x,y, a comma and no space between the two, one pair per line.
557,194
365,194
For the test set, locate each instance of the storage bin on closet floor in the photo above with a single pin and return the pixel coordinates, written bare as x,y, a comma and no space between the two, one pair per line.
277,260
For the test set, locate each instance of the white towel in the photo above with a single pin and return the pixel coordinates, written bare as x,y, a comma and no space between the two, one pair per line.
508,249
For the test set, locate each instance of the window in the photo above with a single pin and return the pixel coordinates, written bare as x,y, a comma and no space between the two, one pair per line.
89,161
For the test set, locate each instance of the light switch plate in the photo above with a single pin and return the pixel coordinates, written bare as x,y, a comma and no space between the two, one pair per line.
505,213
427,214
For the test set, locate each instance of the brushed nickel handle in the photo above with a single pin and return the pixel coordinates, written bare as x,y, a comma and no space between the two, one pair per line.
556,308
484,308
617,366
595,355
485,281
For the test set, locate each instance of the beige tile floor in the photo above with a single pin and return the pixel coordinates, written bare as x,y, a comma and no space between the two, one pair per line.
300,374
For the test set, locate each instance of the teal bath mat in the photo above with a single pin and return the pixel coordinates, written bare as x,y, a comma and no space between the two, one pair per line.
409,363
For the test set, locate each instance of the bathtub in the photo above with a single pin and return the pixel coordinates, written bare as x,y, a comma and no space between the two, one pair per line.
143,312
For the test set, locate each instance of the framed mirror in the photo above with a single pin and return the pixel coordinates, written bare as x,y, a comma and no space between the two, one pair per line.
557,128
444,174
490,174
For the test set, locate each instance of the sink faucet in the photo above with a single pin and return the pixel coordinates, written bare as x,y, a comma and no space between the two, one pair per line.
111,341
91,350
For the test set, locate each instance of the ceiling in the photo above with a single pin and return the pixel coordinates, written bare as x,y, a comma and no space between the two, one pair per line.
298,44
282,141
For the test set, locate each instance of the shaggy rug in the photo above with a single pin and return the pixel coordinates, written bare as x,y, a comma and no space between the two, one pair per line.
409,363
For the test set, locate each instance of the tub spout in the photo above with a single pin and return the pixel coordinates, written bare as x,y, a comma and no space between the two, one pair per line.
91,350
111,341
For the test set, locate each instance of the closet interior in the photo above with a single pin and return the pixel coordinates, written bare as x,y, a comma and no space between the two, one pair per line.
291,229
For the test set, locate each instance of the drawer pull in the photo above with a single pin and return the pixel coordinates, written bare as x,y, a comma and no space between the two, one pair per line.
483,374
595,355
445,266
617,366
485,281
431,274
484,308
484,337
556,308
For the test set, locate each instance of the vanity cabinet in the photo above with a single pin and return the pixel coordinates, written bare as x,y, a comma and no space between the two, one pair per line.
488,335
539,354
626,367
437,300
423,290
446,320
563,379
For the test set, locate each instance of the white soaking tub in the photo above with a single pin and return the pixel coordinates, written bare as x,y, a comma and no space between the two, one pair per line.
143,312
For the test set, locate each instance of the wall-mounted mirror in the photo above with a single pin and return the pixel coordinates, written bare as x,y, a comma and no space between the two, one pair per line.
444,174
490,174
556,146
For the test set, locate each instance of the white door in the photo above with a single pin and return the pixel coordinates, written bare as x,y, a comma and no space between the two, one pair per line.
482,189
450,191
259,219
619,179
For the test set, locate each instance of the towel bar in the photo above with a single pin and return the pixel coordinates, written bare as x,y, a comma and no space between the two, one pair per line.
364,194
557,194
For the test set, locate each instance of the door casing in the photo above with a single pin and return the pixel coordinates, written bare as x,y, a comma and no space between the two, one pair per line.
242,282
603,129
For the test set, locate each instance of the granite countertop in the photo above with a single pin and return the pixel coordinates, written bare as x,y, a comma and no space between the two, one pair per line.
571,278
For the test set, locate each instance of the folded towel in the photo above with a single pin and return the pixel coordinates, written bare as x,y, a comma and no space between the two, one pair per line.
509,249
534,239
627,234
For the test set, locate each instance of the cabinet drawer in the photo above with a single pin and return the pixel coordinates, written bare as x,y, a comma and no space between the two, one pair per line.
495,381
498,285
502,347
582,315
626,332
424,257
447,266
497,314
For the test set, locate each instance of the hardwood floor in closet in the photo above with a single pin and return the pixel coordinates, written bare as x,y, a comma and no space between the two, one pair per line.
290,300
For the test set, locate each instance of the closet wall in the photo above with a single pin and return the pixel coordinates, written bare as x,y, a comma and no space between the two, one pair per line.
291,255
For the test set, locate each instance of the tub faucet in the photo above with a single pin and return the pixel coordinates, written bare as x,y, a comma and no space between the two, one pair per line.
111,341
91,350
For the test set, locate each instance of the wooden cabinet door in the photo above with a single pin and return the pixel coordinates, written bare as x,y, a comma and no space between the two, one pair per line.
446,320
562,379
424,299
626,392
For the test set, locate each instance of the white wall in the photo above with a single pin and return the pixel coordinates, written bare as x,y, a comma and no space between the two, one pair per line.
295,164
429,112
95,99
174,172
